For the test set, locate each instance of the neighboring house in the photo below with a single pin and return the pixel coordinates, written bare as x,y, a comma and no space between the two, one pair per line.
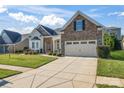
122,42
78,37
43,39
114,31
8,40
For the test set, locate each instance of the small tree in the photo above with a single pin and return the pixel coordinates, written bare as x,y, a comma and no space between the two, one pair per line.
109,41
112,42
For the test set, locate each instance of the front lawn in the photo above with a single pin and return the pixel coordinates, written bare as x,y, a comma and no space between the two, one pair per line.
6,73
117,55
107,86
31,61
110,68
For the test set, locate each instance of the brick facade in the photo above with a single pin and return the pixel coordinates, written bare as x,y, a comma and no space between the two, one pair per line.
90,32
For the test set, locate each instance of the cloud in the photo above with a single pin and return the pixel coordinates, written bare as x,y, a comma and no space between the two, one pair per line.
113,13
20,16
95,15
45,10
53,21
116,13
97,9
93,10
23,30
2,9
121,14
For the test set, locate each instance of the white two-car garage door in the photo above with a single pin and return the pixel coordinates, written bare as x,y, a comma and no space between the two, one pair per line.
81,48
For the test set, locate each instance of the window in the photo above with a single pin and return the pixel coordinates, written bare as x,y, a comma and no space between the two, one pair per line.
33,45
79,25
75,42
112,34
83,42
37,44
69,43
91,42
58,44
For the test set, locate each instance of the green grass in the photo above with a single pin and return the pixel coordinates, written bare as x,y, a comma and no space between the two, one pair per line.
107,86
117,55
113,67
6,73
31,61
110,68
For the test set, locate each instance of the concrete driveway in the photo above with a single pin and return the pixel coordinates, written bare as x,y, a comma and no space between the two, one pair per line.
65,72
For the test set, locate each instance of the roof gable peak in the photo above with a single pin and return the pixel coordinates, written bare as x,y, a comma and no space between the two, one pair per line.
85,16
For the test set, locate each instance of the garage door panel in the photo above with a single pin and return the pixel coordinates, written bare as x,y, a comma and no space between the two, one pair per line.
81,49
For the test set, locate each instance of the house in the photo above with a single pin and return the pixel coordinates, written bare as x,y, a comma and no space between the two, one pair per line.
114,31
122,44
8,40
78,37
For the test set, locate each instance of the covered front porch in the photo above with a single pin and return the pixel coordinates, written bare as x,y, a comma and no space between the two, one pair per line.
52,44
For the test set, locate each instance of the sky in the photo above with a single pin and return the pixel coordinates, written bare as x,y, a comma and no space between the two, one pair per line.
24,19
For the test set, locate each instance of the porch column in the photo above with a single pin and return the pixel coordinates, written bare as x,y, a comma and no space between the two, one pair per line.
53,45
60,48
42,44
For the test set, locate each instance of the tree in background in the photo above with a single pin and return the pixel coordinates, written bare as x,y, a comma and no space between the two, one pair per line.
112,42
109,41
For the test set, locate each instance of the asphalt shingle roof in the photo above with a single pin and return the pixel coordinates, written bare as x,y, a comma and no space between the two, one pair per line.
14,36
51,31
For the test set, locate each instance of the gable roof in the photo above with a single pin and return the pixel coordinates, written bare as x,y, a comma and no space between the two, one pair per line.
1,40
113,28
58,30
85,16
51,31
14,36
45,31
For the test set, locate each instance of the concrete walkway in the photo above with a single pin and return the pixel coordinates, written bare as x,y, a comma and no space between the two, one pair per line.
110,81
16,68
65,72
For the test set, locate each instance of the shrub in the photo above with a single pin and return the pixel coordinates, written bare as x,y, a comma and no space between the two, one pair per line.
103,51
54,54
25,48
25,52
34,52
19,51
50,53
59,55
